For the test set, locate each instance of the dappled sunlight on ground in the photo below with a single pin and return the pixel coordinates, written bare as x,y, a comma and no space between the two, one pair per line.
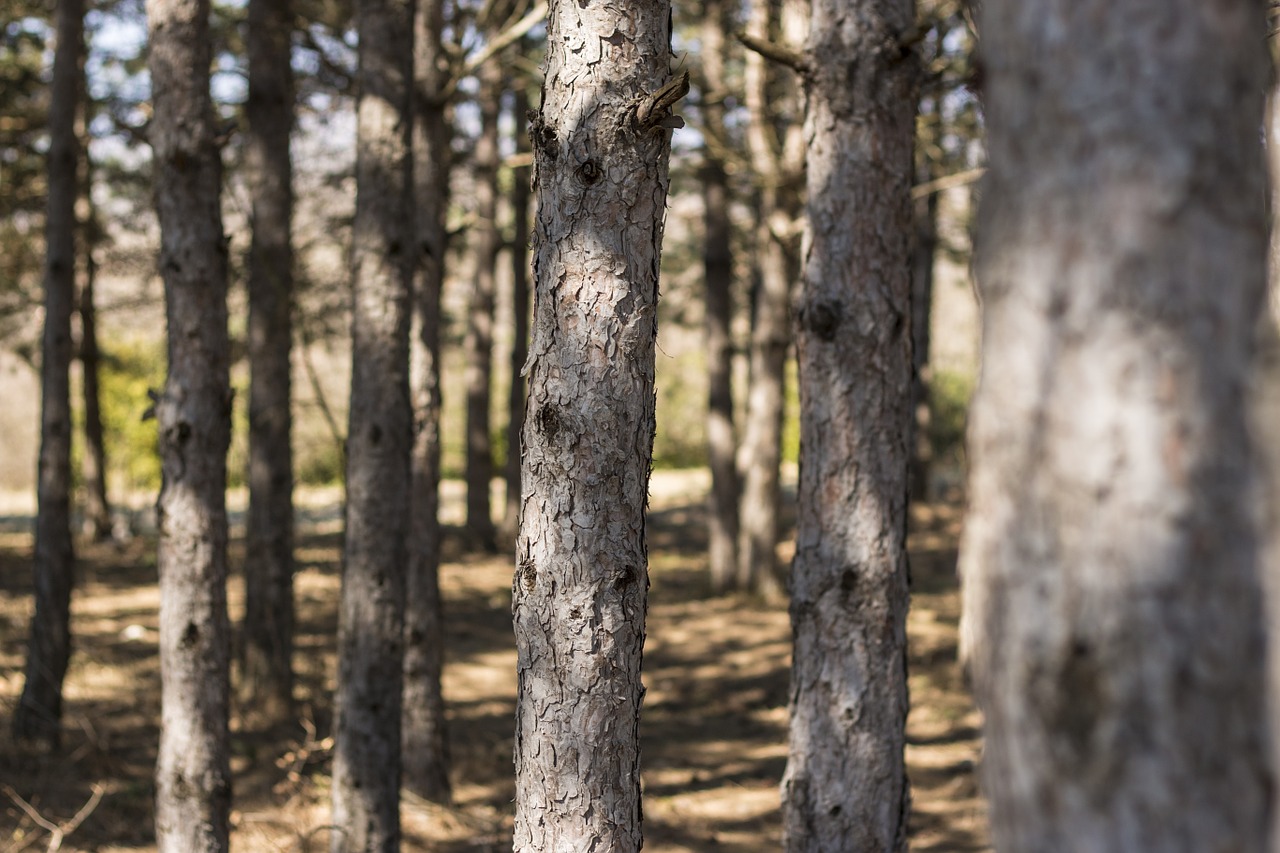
714,725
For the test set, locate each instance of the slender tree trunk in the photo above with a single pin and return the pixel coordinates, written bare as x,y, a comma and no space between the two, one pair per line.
39,712
479,342
93,471
193,414
722,443
520,308
845,787
777,163
425,736
923,251
266,678
1113,615
579,593
367,743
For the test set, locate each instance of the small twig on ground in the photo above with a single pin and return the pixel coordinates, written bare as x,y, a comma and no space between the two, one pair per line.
57,831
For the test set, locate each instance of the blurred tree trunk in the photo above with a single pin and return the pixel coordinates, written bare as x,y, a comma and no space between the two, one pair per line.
367,743
487,244
722,443
193,414
845,786
266,677
425,735
1113,615
39,712
93,470
520,303
778,161
923,252
579,594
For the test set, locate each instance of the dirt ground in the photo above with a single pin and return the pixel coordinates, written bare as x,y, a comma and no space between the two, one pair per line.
714,723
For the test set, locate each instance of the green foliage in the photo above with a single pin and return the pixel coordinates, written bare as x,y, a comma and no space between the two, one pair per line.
319,464
129,369
949,396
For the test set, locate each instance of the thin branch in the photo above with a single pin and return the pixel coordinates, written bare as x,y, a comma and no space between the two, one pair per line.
495,45
779,53
58,832
947,182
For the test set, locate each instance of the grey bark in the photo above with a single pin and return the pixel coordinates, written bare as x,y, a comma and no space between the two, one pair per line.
193,414
1113,616
39,712
266,676
367,768
722,443
520,308
425,735
579,593
778,161
487,243
845,787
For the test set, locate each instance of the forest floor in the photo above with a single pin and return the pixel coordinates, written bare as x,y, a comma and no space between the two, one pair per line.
714,721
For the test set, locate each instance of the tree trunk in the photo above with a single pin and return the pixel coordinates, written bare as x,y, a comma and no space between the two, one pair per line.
777,163
266,677
39,712
580,588
845,787
479,342
93,470
722,443
193,414
366,767
1113,614
425,735
520,306
923,251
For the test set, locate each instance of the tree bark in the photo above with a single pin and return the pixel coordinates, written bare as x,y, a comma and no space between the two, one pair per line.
579,594
479,341
425,735
1113,615
39,712
778,162
923,252
193,414
722,443
266,677
520,306
845,787
367,768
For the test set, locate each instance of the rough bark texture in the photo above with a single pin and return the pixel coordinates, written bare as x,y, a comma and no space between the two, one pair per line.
520,309
1112,605
778,162
39,712
845,787
487,242
722,443
425,740
266,676
193,414
581,581
366,767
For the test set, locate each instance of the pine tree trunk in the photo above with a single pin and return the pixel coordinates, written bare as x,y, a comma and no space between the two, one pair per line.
777,163
39,712
1113,614
923,251
520,308
479,342
193,414
425,736
845,787
93,469
580,588
722,443
367,767
266,677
